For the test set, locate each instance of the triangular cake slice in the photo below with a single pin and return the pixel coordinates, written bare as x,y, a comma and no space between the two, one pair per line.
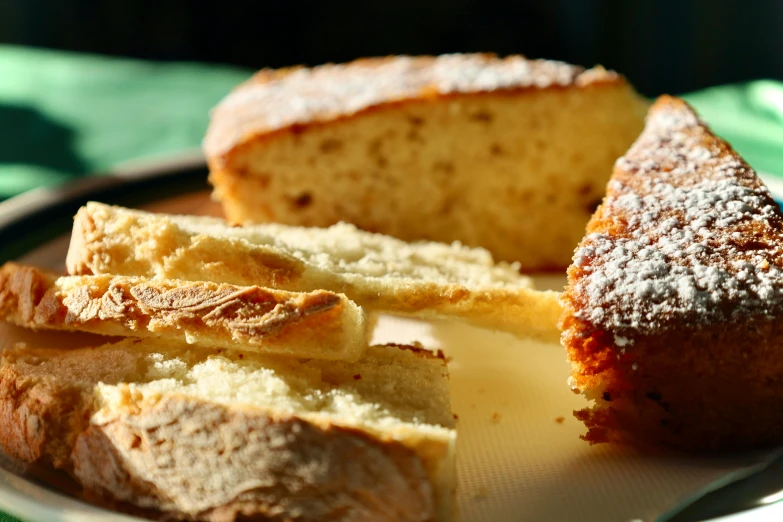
673,317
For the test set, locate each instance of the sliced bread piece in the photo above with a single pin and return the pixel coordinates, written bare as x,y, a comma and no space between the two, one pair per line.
318,324
674,307
200,434
509,154
379,272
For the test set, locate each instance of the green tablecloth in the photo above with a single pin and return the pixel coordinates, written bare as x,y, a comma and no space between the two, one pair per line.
64,115
750,117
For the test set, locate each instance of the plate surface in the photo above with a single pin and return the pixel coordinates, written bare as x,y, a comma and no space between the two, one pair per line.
519,452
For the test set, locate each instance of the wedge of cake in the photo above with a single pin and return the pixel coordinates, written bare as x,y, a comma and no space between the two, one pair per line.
380,273
673,314
509,154
187,433
318,324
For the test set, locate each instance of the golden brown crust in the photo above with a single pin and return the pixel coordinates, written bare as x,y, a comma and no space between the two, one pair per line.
675,295
43,398
26,435
317,324
287,99
293,467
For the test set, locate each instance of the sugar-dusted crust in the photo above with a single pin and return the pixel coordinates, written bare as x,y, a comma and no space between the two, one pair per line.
113,240
687,233
318,324
673,304
193,459
279,100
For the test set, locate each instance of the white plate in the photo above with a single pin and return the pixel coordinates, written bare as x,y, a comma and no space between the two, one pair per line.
519,452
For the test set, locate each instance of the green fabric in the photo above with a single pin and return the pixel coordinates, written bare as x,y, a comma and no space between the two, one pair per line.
64,115
67,115
750,117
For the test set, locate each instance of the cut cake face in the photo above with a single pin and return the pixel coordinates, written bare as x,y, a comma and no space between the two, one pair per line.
509,154
674,298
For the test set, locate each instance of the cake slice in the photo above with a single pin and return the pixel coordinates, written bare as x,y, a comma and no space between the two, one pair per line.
317,324
218,436
673,314
509,154
378,272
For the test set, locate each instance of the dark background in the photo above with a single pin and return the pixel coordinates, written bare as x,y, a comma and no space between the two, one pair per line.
661,45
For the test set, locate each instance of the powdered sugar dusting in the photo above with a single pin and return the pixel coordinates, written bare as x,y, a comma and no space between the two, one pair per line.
275,101
687,233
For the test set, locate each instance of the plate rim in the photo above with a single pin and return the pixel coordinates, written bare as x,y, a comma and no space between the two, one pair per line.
33,217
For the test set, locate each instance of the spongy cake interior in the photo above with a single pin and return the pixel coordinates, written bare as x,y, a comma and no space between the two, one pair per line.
340,249
391,386
507,172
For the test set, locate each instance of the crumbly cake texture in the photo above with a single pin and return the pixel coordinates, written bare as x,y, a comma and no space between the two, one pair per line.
379,273
318,324
273,100
672,309
211,435
510,154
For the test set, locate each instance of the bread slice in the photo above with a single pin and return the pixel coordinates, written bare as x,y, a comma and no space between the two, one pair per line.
214,435
318,324
508,154
380,273
674,307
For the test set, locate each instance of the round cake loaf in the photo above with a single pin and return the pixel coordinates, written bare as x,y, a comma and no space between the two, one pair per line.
509,154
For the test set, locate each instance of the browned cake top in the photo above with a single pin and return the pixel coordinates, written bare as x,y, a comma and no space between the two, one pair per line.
278,99
687,234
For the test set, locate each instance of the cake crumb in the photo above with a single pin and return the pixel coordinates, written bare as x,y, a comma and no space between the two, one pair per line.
496,417
560,420
481,492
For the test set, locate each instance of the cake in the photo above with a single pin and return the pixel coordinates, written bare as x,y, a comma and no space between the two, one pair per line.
380,273
509,154
673,311
186,433
318,325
